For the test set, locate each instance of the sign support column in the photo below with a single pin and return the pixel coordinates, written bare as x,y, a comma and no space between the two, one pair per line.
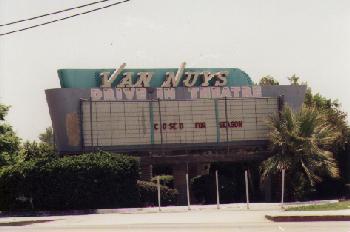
188,193
158,187
283,177
217,190
246,187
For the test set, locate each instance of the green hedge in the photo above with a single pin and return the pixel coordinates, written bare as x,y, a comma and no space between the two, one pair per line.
149,194
86,181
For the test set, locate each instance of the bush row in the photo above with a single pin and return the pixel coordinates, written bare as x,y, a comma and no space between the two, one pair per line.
86,181
149,194
166,180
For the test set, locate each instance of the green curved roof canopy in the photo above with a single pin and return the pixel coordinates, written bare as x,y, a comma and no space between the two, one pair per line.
89,78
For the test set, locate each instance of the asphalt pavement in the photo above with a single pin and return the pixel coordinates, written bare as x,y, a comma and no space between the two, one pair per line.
233,217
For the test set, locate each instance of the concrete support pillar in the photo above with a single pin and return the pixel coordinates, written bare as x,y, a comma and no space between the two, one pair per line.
179,173
146,172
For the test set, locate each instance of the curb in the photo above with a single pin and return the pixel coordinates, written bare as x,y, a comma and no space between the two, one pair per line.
44,213
306,218
64,213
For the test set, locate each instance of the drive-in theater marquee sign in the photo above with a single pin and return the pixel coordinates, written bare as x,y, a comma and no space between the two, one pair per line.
184,108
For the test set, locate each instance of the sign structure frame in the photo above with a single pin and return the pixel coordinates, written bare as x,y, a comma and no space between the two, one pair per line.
150,84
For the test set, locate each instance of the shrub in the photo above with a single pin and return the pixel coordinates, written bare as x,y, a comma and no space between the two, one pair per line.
149,194
86,181
204,189
166,180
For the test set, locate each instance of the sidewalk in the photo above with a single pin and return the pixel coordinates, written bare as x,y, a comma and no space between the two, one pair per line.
146,210
270,211
167,209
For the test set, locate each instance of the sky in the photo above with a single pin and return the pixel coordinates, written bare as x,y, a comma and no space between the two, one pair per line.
309,38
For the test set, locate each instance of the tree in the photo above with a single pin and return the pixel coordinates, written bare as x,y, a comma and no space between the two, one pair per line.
43,149
294,80
268,80
334,115
47,136
3,111
34,150
338,119
301,144
9,142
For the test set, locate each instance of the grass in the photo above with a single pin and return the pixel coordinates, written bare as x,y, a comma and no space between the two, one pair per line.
321,207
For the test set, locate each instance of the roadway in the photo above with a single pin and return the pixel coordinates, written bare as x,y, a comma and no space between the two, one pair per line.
171,219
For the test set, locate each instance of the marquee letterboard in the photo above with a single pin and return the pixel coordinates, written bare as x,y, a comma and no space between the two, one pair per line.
125,123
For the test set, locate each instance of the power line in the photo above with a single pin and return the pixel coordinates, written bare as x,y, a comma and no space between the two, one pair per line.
61,19
53,13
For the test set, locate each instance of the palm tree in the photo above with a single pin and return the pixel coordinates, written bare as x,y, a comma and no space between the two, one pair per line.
300,143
